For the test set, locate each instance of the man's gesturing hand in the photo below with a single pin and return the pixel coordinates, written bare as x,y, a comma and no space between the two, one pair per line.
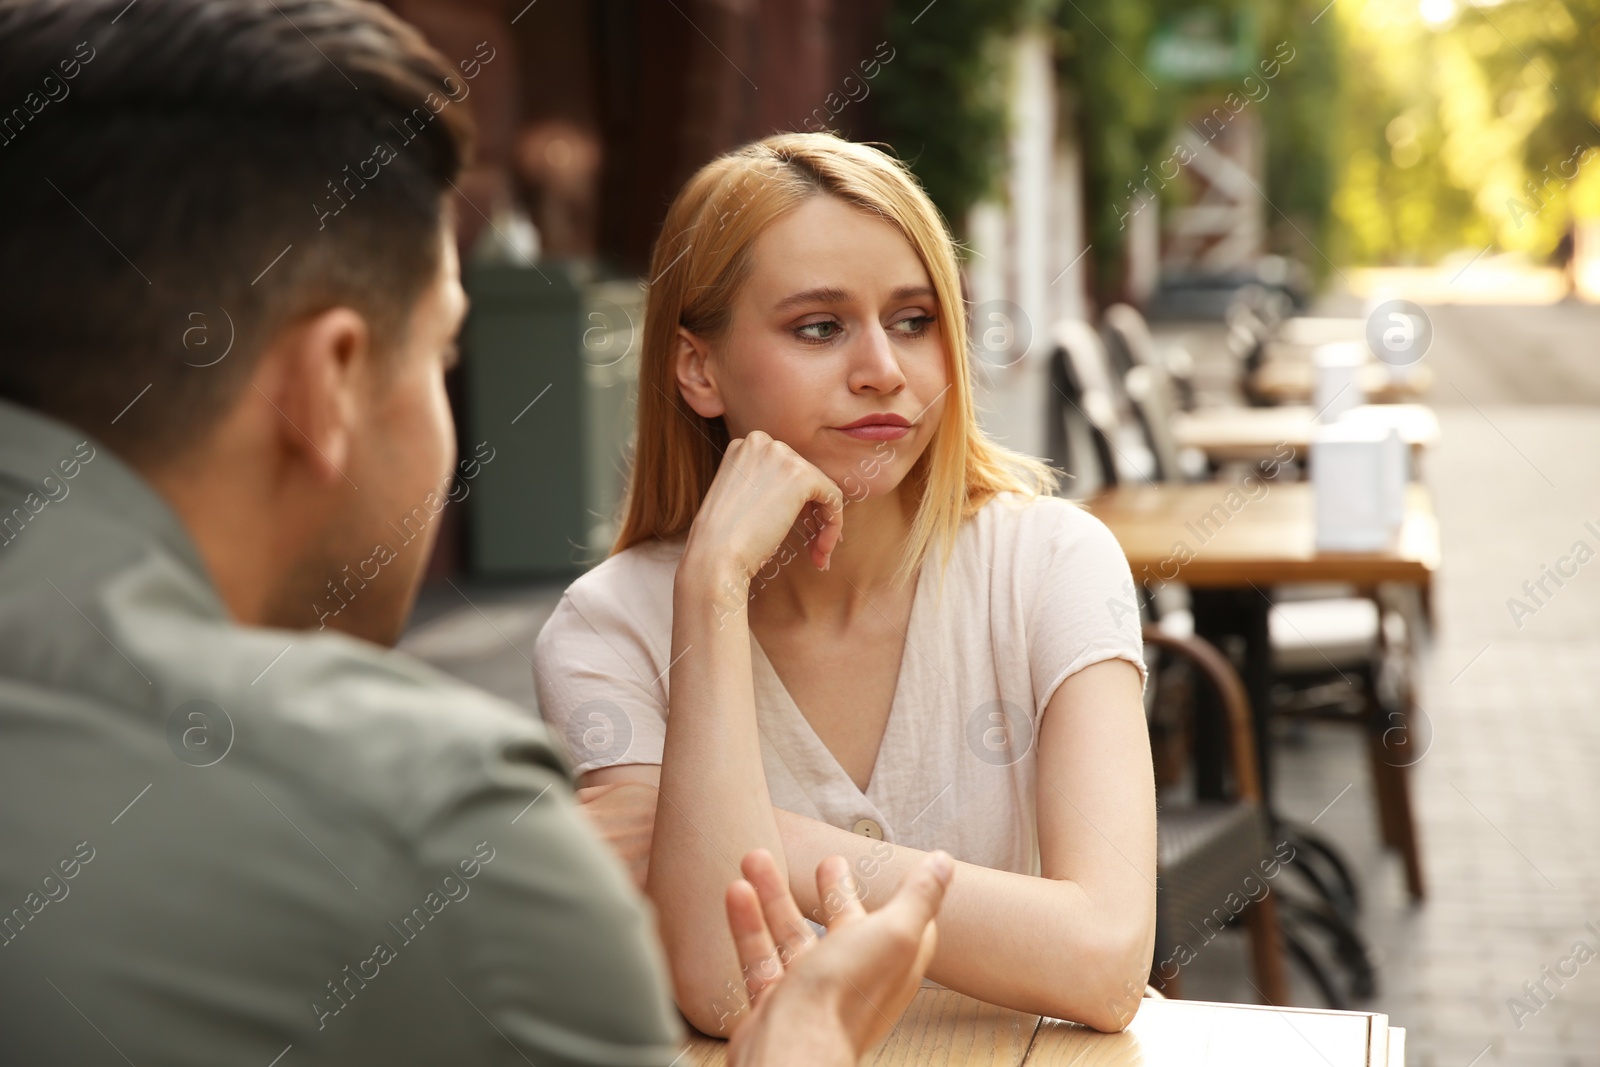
828,1001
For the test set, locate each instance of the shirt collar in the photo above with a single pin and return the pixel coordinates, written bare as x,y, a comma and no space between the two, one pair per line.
33,446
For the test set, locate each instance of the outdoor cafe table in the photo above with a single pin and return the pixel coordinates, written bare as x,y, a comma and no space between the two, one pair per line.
1268,541
942,1027
1311,330
1229,559
1291,379
1250,435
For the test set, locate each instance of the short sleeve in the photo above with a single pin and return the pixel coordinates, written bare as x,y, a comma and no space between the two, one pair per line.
600,688
1084,608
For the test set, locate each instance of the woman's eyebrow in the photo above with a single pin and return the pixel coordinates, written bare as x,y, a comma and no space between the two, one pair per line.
831,295
822,295
914,292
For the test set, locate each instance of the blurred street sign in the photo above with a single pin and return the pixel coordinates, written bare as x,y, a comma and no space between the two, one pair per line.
1202,46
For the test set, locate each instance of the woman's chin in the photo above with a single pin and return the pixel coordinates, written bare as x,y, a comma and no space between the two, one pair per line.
857,488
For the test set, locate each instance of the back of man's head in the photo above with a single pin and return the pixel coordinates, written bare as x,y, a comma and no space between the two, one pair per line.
184,178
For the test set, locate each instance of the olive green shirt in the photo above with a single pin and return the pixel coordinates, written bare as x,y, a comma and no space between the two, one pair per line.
223,844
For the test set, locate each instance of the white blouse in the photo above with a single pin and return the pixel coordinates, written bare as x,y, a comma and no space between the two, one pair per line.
1035,591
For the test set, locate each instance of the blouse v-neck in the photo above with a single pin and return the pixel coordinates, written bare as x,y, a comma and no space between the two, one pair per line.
792,721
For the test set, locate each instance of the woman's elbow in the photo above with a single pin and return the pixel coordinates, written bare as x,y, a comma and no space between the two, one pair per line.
1114,1001
707,989
1118,975
716,1011
1105,1006
1113,1018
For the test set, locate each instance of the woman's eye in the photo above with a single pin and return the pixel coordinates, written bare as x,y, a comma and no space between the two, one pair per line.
824,331
914,326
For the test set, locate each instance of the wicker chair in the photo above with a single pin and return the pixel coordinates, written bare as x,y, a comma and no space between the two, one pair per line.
1341,655
1207,851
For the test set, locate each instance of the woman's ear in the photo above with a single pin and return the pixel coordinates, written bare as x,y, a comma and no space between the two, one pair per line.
696,376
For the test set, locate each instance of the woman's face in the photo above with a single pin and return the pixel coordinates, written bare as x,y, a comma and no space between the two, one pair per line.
837,322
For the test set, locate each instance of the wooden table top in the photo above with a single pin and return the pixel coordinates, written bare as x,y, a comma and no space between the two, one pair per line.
1211,534
1288,379
1250,434
943,1028
1311,330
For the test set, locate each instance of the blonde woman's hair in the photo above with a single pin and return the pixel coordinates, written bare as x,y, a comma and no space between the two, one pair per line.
703,257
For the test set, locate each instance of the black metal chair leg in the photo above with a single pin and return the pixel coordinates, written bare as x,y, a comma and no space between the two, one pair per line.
1341,890
1301,953
1348,947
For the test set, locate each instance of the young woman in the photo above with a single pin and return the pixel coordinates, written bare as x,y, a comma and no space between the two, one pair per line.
839,619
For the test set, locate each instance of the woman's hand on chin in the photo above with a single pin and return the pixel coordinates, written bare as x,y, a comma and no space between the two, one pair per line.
762,486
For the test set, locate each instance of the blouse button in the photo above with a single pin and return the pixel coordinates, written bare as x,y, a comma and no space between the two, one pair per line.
868,828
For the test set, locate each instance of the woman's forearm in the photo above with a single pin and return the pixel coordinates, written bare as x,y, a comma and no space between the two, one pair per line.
1033,944
713,805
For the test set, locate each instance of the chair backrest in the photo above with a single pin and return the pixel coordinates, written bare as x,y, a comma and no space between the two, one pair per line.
1128,338
1082,418
1219,674
1148,384
1248,334
1155,406
1131,345
1086,354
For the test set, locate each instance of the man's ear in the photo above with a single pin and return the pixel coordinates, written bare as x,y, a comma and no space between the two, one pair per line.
696,375
323,367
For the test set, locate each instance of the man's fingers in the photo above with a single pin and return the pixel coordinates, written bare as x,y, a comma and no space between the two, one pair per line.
838,891
758,956
925,951
784,921
919,897
908,938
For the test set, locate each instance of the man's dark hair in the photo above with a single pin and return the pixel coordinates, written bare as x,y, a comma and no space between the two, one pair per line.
179,175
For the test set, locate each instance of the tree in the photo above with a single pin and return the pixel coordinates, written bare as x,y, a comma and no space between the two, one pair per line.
1470,130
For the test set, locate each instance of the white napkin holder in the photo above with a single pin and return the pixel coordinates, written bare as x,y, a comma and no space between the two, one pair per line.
1358,483
1336,387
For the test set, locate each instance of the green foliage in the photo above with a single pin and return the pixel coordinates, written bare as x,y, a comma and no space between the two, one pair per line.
942,99
1123,115
1131,119
1388,138
1470,131
1300,114
943,105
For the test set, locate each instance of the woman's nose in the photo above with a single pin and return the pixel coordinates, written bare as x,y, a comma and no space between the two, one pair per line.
874,363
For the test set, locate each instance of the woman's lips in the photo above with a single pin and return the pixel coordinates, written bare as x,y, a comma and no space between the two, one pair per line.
877,432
